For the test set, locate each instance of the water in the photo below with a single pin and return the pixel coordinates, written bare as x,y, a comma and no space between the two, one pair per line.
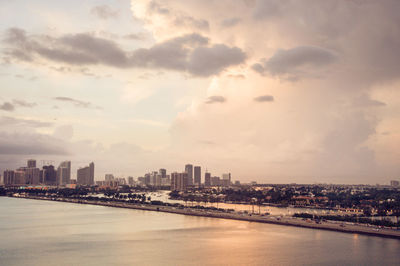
36,232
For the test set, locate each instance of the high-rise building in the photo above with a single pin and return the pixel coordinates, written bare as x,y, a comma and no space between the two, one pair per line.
394,183
19,177
131,182
215,181
48,175
179,181
8,177
197,176
31,163
85,175
32,175
163,173
189,171
64,173
109,177
207,179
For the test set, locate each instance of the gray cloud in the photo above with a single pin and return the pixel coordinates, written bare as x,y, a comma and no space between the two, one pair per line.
12,121
215,99
230,22
24,103
178,19
77,103
136,36
292,61
264,98
104,12
10,106
30,144
190,53
365,101
7,107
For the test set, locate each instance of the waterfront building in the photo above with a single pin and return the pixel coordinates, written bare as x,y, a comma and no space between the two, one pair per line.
8,177
197,176
394,183
31,163
85,175
108,177
207,179
64,173
215,181
131,182
163,173
189,171
179,181
32,175
226,177
48,175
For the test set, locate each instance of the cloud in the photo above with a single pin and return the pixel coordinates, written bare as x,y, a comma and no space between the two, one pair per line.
176,18
136,36
230,22
12,121
31,144
365,101
104,12
7,107
264,98
23,103
77,103
215,99
10,106
295,61
190,53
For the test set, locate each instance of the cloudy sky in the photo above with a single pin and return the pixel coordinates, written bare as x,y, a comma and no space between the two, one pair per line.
273,91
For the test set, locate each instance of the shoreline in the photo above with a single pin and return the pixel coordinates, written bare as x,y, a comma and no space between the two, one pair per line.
287,221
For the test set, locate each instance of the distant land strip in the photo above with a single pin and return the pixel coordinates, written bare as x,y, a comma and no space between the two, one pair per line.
288,221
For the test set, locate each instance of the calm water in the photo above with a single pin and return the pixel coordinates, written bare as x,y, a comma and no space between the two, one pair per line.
53,233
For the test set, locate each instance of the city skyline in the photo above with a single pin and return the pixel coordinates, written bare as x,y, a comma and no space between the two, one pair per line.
274,91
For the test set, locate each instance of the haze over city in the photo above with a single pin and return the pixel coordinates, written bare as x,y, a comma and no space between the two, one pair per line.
272,91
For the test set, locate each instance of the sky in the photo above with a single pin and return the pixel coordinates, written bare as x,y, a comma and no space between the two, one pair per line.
276,91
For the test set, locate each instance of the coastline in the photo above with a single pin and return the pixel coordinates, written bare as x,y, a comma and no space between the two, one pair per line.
287,221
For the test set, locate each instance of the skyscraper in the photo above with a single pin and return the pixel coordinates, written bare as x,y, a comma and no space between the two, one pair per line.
31,163
189,171
179,181
207,179
197,175
163,173
48,175
85,175
64,173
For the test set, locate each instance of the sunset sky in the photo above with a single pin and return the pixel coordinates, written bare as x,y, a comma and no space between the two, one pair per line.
275,91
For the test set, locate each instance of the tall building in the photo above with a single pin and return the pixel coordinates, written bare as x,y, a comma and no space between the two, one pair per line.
31,163
48,175
32,175
85,175
8,177
163,173
226,180
394,183
189,171
109,177
64,173
207,179
215,181
19,177
197,175
179,181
